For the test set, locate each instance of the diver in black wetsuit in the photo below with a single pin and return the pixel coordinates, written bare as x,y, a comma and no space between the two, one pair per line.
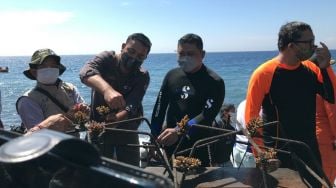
193,90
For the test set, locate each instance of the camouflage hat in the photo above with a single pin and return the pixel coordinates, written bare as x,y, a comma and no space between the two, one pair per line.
37,59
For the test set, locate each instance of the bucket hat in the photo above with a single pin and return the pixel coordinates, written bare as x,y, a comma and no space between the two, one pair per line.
37,59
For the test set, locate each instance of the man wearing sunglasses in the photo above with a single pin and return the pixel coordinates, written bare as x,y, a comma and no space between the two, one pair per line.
286,87
119,82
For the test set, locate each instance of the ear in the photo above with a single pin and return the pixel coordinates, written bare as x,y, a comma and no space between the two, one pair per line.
291,45
203,54
33,72
123,46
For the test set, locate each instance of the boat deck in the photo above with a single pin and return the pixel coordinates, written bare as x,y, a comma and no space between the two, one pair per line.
231,177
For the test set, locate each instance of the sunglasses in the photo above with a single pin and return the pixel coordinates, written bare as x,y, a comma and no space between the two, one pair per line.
310,41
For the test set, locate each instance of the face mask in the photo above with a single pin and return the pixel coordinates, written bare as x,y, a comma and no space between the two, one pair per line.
129,62
187,63
47,75
305,54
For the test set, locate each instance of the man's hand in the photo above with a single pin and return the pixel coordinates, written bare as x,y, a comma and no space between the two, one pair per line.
323,56
58,122
114,99
168,137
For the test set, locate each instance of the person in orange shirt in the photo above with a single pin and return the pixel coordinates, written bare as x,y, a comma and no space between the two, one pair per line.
285,87
326,131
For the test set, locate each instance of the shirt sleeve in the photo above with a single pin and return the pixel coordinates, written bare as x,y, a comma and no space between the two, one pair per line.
160,108
258,88
96,65
331,108
30,112
326,90
240,123
324,85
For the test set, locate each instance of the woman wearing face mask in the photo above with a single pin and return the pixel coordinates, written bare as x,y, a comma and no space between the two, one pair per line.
45,105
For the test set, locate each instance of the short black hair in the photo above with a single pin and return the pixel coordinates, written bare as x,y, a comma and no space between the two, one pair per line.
227,107
141,38
192,39
291,32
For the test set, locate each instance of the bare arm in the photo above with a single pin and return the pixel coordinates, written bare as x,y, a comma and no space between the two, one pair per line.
58,122
112,97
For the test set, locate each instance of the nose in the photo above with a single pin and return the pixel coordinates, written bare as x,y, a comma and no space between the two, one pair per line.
137,57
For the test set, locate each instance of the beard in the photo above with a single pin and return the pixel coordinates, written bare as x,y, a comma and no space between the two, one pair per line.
305,54
130,63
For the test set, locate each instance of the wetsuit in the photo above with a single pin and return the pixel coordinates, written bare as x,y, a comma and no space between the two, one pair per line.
198,95
132,87
288,95
326,131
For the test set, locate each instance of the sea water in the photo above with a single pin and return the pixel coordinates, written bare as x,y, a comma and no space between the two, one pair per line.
234,67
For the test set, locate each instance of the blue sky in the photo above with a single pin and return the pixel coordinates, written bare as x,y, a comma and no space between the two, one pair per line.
91,26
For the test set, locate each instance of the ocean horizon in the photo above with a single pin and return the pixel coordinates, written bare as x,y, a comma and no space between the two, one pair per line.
153,53
234,67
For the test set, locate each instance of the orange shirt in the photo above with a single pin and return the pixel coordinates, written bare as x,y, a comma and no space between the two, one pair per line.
326,116
287,94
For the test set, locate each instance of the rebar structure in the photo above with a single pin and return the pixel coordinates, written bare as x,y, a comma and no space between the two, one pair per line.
224,133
